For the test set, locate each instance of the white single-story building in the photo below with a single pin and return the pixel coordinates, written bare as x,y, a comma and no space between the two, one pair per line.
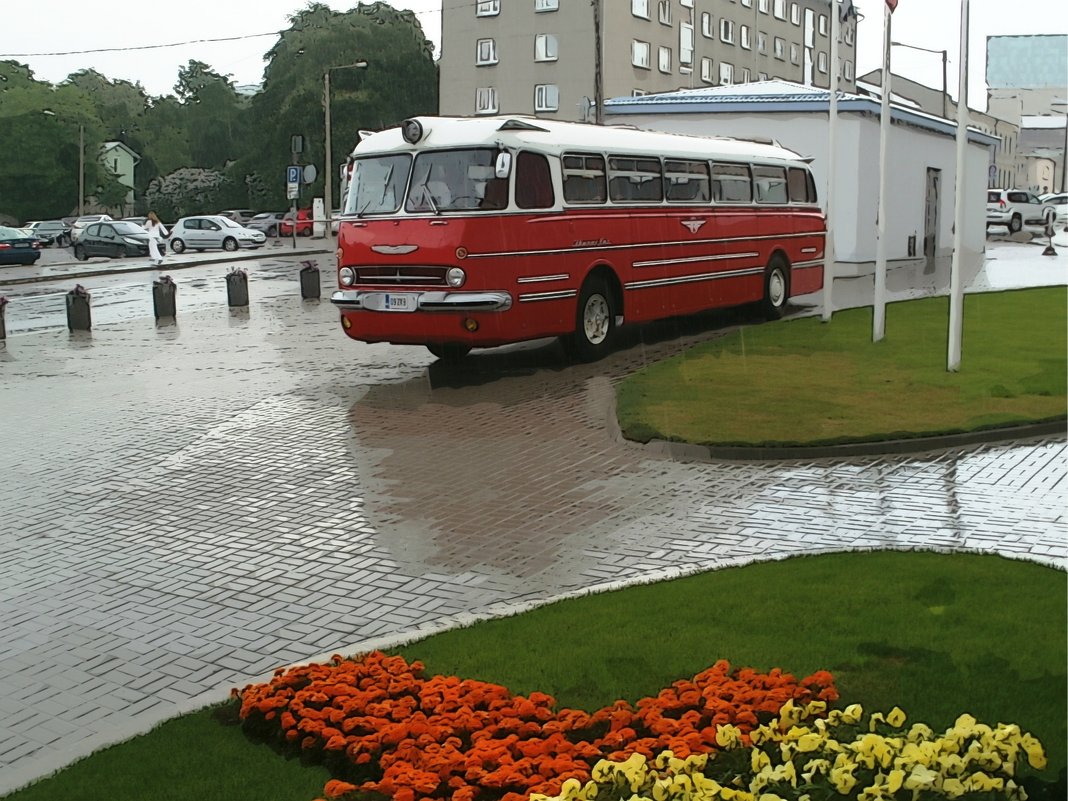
921,157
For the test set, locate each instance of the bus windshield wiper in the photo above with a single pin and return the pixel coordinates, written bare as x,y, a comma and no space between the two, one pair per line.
427,196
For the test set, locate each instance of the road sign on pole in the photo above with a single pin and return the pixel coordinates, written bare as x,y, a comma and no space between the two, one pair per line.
293,177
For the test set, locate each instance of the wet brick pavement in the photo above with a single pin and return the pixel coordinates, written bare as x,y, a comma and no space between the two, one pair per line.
187,506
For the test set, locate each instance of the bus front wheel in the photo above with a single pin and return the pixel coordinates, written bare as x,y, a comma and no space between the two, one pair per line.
776,287
595,322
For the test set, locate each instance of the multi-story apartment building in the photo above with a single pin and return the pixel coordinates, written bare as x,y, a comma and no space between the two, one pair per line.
540,56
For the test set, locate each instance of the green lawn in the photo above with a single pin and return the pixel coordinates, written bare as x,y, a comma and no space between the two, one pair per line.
805,382
935,634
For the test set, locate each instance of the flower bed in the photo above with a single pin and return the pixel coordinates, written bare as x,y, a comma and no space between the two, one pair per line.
382,725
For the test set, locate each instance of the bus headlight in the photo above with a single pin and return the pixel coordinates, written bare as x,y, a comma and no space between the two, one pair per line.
455,277
347,276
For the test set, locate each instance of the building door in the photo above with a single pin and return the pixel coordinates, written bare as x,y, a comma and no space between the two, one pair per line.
930,216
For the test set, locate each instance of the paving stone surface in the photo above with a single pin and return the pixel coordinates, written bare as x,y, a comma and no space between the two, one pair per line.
188,506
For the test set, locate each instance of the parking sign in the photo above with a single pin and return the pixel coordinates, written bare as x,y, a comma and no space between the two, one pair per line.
293,174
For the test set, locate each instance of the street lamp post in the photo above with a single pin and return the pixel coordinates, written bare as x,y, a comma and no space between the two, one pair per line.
81,162
945,58
328,192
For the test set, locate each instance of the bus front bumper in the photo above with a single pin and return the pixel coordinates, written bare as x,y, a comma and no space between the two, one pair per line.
363,300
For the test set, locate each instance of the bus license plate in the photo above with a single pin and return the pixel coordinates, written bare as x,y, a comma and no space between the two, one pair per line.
399,302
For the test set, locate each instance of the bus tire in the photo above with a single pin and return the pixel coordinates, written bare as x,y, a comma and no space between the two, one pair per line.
776,287
449,351
595,322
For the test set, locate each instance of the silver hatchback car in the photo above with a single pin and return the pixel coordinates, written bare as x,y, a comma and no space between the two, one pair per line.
212,231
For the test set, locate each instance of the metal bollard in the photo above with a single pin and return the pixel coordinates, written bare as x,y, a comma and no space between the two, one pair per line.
3,322
237,287
164,297
309,281
79,317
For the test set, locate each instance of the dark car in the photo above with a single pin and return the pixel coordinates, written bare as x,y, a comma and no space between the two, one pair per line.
45,240
55,231
112,238
17,248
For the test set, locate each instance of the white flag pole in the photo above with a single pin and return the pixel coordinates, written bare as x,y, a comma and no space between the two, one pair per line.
878,328
829,252
956,292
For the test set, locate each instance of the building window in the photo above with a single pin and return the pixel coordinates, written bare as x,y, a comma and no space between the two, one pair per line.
546,5
795,53
726,73
762,42
762,6
546,97
664,54
780,48
486,100
849,70
821,62
685,45
664,12
780,9
795,13
686,3
706,26
706,70
823,26
638,93
487,52
487,8
639,54
545,47
726,31
640,8
849,35
747,3
744,37
763,76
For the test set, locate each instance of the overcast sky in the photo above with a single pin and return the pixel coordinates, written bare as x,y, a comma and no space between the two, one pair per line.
75,25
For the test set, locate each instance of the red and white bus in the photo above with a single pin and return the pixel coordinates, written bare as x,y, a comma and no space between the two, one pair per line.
460,233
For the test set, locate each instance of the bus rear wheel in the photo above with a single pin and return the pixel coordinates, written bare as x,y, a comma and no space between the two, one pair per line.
595,322
449,352
776,287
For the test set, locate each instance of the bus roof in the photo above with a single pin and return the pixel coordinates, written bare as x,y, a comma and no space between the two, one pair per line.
556,137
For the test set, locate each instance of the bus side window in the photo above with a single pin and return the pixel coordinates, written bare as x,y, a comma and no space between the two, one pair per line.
731,183
686,181
770,185
797,179
812,196
584,179
635,179
533,182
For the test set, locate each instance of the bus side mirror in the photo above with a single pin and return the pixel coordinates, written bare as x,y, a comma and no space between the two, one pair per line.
503,167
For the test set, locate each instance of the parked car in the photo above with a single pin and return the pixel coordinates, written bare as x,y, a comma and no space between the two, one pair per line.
266,222
304,223
112,238
57,230
1016,208
213,231
17,248
239,216
43,240
79,224
1059,201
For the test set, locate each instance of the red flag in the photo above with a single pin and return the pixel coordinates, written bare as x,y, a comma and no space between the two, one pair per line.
892,4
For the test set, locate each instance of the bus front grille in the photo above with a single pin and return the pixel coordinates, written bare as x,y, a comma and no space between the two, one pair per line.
407,274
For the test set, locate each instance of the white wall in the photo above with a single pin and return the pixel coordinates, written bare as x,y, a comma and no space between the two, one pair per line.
910,152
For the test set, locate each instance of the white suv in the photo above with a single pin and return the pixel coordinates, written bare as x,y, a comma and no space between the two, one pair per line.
1016,208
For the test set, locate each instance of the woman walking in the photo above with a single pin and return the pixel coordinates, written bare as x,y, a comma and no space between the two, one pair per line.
156,232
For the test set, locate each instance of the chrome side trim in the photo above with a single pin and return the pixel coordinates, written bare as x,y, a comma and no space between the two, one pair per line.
535,279
691,259
799,265
808,250
688,279
536,296
352,300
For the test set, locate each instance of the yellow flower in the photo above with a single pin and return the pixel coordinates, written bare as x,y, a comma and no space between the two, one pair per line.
728,736
896,718
570,789
842,779
852,714
1036,757
953,788
982,783
920,778
758,760
894,780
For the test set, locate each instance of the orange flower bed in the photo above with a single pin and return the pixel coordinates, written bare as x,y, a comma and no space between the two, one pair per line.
386,727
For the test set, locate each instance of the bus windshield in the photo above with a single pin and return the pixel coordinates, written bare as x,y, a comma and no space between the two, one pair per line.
377,184
456,180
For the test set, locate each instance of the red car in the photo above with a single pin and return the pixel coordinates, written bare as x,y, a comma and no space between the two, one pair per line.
304,223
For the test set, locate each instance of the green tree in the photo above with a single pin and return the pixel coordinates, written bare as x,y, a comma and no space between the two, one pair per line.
400,81
214,114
